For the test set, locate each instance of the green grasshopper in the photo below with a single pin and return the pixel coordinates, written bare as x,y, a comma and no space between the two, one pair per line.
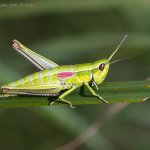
55,80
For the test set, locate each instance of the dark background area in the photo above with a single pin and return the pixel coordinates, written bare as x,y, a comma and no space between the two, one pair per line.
72,32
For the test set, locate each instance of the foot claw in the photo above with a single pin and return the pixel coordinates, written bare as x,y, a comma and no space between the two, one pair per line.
71,106
102,99
50,104
69,103
146,99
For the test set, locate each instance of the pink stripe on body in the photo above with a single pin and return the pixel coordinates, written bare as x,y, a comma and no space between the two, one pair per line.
65,74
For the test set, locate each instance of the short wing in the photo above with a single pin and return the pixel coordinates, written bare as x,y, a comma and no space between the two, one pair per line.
38,60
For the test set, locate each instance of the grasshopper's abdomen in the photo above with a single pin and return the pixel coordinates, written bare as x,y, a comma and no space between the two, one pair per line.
41,78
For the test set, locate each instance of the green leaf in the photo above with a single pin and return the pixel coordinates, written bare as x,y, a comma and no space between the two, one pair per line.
113,92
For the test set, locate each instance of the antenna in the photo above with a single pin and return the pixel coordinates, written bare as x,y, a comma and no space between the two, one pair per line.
122,59
117,48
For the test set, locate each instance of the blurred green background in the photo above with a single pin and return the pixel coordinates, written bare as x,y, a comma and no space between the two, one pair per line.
70,32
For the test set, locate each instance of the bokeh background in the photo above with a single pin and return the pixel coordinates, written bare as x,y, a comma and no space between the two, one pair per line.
71,32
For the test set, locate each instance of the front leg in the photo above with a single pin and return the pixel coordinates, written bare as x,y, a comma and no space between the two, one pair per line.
95,94
62,96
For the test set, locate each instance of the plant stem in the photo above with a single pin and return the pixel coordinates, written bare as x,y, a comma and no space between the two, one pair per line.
113,92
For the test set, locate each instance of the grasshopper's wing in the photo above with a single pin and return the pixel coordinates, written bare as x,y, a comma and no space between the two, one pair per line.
38,60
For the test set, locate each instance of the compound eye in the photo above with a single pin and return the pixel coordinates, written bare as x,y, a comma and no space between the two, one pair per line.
101,67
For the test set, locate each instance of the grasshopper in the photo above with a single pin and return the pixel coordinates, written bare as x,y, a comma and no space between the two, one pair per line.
55,80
